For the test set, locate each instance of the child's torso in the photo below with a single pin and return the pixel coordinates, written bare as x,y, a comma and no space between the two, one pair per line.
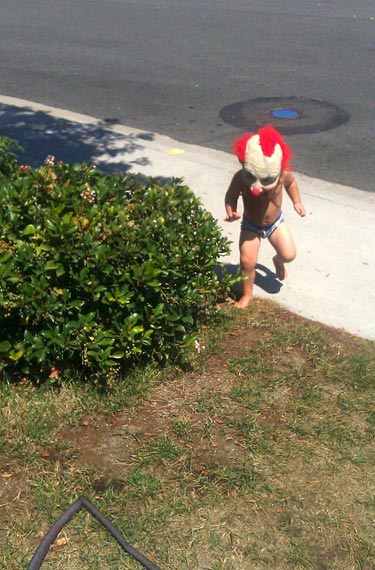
264,209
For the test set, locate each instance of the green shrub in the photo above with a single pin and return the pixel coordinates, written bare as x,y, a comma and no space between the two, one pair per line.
8,156
99,271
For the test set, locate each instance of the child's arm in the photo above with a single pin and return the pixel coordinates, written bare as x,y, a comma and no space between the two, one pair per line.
292,190
231,200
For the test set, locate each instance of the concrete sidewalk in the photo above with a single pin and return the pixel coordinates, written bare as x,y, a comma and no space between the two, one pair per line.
333,278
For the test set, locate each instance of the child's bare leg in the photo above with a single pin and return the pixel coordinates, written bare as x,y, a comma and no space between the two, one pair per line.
280,270
249,249
283,242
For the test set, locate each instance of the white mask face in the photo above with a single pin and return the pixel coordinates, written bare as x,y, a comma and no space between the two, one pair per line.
264,169
252,179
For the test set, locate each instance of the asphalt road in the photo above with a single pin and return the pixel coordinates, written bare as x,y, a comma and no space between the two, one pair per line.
171,66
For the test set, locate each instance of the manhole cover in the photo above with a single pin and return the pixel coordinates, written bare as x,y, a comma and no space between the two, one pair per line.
290,115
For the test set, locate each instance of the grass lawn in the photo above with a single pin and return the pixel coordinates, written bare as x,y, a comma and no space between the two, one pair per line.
259,454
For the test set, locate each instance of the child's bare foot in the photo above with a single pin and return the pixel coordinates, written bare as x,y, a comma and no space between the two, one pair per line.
280,268
244,302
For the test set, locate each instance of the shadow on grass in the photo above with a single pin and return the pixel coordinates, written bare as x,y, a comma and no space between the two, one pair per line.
41,134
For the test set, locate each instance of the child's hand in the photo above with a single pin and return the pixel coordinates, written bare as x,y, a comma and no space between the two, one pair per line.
232,217
300,209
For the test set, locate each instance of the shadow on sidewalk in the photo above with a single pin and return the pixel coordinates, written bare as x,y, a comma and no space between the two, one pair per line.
264,279
41,134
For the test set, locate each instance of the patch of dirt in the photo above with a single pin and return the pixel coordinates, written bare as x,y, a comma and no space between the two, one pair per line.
112,443
13,482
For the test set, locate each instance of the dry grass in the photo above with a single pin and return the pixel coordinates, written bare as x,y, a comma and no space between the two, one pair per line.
260,455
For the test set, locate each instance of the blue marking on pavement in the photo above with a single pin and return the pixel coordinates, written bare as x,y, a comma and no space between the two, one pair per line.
284,113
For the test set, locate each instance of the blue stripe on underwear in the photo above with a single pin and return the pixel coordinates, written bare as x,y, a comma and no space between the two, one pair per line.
262,231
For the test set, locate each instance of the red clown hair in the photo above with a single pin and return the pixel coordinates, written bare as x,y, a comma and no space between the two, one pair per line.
269,137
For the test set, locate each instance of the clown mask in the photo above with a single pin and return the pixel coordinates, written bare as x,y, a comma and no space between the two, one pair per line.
263,157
